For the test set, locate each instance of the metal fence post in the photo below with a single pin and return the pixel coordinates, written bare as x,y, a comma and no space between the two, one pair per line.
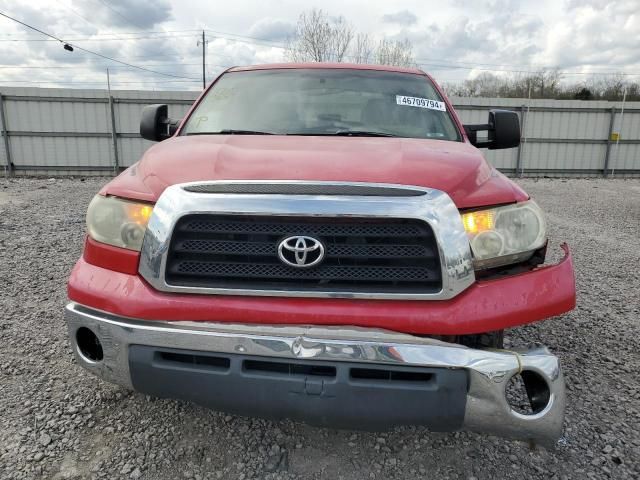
523,116
114,137
8,169
607,154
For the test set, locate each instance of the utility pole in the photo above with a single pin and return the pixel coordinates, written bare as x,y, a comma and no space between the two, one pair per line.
203,42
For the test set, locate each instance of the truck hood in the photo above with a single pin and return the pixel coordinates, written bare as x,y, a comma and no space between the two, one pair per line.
454,167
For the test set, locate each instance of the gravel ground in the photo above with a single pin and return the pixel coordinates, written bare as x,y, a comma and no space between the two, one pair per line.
57,421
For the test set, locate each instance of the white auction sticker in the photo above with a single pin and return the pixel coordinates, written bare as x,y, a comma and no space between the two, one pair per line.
420,102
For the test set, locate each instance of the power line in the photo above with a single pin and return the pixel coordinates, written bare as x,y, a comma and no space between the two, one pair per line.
264,42
144,47
54,67
130,65
421,62
87,82
32,28
127,19
246,39
424,62
76,67
97,39
117,38
128,33
77,14
90,51
437,63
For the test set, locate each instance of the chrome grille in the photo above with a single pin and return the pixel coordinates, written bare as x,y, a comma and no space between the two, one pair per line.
362,254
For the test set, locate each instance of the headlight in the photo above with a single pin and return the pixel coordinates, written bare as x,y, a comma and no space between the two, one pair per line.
118,222
504,235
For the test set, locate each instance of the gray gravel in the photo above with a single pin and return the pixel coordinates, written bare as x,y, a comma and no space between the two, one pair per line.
57,421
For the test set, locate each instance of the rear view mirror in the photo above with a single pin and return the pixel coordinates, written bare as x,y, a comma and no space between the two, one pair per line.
155,124
503,131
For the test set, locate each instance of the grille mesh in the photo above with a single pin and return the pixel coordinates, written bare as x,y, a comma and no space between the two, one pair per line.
361,255
318,229
327,273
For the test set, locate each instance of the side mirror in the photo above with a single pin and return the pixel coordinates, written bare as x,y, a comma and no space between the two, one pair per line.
503,131
155,124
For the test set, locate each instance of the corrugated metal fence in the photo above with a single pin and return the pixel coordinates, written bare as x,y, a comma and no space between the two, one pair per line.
77,132
86,132
564,137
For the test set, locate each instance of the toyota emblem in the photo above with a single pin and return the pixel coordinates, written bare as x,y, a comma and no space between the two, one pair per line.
300,251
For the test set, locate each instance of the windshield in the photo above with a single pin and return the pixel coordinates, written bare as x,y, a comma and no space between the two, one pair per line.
323,102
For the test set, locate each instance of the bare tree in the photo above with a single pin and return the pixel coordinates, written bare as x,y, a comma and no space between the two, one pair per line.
541,84
610,87
453,89
340,39
319,38
546,84
485,84
362,49
395,52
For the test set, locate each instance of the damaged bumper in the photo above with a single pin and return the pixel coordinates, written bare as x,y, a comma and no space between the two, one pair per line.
333,376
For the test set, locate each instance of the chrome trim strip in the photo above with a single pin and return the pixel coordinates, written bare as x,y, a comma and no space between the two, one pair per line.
435,208
489,371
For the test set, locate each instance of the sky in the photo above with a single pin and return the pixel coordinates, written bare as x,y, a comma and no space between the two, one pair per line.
453,40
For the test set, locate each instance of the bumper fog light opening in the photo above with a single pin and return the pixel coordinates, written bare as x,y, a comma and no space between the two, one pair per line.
89,346
527,393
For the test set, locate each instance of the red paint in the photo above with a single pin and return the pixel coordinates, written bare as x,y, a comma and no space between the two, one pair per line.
106,277
485,306
454,167
112,258
457,168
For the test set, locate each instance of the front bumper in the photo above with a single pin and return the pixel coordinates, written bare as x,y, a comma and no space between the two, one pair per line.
485,306
312,379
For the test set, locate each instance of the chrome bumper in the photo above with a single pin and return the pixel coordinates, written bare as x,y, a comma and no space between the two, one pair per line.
489,371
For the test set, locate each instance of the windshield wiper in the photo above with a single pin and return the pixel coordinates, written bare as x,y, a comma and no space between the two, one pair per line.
343,133
232,132
339,133
362,133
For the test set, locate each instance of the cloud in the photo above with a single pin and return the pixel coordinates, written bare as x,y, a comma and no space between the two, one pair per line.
491,6
579,4
464,39
33,15
126,14
226,53
455,41
600,34
464,46
10,55
404,17
59,21
272,29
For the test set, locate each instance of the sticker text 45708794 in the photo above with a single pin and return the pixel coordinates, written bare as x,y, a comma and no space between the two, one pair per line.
421,102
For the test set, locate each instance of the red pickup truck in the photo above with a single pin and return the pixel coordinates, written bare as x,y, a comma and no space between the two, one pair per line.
324,242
